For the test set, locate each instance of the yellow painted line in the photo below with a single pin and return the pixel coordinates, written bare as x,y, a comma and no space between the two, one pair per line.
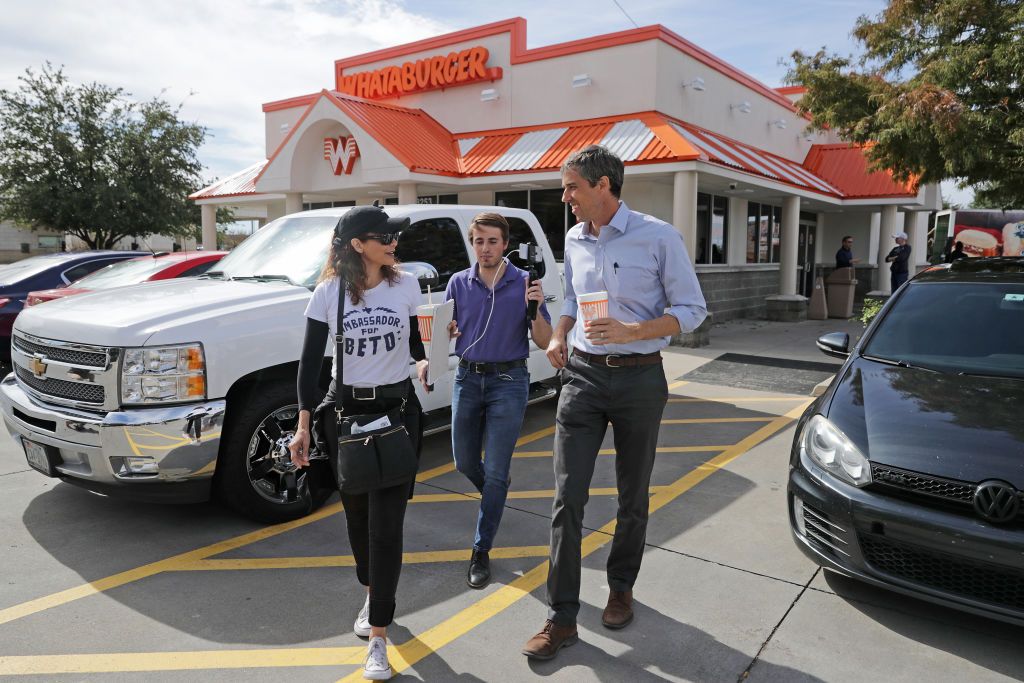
173,563
432,640
474,496
676,385
737,399
169,564
450,467
435,556
28,665
611,451
713,420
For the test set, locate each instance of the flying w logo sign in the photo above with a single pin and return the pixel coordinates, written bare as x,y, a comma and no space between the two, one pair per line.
341,153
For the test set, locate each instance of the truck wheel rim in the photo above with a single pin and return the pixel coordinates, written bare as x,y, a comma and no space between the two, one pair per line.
265,475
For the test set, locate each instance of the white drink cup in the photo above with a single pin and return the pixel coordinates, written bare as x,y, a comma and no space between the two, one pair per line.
425,318
592,306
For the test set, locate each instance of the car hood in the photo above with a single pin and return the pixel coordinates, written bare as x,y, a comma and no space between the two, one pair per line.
959,427
166,309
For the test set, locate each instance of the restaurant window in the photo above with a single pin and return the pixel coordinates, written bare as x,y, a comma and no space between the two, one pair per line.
764,230
549,209
309,206
712,228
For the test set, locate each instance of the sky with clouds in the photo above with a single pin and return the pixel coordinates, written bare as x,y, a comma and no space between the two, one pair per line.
224,59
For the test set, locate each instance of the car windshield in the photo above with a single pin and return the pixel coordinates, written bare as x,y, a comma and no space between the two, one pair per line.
956,327
123,273
26,268
291,247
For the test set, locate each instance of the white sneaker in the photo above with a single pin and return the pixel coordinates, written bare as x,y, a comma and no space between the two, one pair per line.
376,666
362,625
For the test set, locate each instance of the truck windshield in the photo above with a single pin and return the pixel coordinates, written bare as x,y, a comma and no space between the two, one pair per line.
295,247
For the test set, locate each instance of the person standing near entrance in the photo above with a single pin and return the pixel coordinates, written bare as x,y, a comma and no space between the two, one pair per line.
899,261
611,373
492,382
844,257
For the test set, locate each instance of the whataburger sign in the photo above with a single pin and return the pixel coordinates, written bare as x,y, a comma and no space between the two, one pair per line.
429,73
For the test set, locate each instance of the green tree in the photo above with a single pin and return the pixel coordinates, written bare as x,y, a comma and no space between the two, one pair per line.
936,93
87,160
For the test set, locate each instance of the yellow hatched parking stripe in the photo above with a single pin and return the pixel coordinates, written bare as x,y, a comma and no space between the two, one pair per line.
414,650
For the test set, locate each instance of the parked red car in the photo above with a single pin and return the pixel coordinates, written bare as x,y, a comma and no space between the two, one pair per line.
159,266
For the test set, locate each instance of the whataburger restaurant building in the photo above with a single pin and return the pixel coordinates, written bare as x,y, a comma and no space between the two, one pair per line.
474,117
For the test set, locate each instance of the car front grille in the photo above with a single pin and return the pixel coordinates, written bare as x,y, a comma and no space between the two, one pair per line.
63,355
823,533
979,581
72,391
926,489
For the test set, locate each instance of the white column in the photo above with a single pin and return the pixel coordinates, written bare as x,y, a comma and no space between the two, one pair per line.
407,193
684,208
790,236
917,238
292,202
737,231
874,235
209,216
889,225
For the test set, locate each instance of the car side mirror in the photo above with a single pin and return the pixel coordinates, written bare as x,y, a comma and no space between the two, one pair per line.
835,344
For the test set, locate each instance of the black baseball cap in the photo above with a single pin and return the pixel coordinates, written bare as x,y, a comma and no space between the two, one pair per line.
361,220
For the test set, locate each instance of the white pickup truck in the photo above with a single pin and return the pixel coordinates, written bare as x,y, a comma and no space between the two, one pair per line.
175,390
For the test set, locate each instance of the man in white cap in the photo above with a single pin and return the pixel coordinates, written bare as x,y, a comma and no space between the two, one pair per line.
899,261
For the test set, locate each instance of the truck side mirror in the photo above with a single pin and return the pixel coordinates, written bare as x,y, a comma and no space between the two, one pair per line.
424,272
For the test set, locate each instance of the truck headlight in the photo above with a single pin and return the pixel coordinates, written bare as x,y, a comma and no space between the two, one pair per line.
831,450
163,374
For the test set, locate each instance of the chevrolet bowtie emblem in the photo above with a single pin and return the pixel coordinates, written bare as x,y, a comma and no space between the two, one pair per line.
38,367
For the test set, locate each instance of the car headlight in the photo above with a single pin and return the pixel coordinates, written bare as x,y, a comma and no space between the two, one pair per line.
831,450
163,374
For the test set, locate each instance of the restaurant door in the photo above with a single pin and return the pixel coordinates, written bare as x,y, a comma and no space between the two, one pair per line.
805,258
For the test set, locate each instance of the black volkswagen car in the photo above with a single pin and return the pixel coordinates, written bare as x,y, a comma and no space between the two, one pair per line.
908,472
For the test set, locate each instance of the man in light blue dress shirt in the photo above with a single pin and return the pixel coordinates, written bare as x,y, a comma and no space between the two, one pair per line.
611,374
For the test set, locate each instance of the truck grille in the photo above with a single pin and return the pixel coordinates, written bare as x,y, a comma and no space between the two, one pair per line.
72,391
62,355
960,576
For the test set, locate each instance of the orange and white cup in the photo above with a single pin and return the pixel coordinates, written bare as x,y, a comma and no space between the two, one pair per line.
592,306
425,318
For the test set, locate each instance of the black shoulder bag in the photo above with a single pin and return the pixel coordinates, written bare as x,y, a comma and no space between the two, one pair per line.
374,449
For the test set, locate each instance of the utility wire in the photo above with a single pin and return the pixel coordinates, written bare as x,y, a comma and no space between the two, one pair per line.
635,25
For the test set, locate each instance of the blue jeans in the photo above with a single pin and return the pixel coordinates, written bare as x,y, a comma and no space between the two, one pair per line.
487,414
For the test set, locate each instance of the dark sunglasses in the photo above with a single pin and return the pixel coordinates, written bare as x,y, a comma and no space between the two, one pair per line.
384,238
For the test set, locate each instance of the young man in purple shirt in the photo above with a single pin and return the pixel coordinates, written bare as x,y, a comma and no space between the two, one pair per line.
491,382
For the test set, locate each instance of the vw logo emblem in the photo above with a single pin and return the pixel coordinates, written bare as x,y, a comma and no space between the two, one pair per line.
996,501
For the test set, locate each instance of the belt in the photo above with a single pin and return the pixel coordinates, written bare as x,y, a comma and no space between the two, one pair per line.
614,360
384,391
484,368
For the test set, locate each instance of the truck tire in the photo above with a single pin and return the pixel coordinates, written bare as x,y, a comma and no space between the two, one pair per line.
248,478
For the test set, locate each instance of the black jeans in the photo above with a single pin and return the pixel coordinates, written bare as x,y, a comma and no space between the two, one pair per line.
632,400
375,519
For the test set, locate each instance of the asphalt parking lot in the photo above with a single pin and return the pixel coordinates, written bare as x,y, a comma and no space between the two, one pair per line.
99,589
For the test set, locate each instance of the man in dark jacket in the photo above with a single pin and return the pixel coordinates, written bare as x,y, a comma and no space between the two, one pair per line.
899,261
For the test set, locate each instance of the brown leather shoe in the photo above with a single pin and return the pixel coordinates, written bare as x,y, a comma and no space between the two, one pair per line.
552,638
619,611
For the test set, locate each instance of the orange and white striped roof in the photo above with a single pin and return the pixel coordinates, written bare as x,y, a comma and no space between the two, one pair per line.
424,146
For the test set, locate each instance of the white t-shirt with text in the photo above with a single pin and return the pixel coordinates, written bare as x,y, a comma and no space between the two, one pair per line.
376,331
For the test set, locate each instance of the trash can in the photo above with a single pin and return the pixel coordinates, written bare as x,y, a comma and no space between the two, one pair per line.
840,287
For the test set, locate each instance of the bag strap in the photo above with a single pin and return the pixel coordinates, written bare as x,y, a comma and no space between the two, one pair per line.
339,350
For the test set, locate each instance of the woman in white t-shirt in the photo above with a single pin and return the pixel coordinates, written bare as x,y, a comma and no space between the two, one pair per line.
380,335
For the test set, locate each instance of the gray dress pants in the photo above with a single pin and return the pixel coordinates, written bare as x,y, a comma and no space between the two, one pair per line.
632,400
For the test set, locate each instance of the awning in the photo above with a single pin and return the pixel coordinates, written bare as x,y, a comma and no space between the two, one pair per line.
241,183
